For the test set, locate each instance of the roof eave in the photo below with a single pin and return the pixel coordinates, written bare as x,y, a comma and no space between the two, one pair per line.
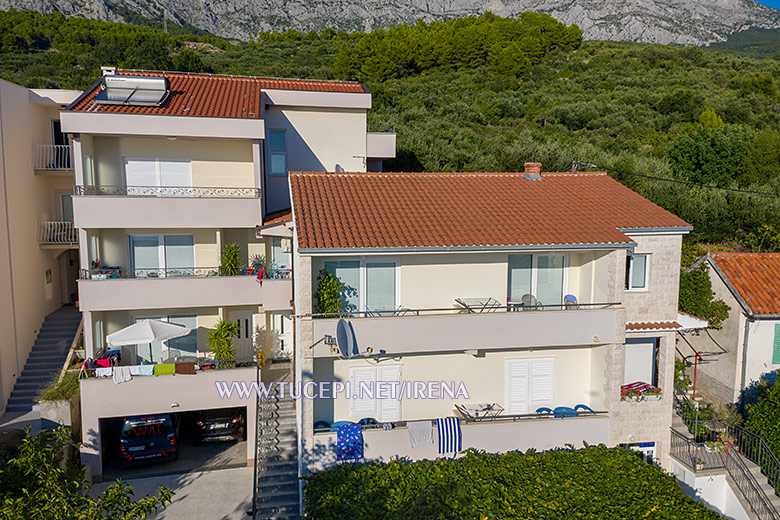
675,230
464,249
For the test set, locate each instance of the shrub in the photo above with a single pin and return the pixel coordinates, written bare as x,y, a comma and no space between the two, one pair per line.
591,483
220,341
230,261
327,297
698,298
61,390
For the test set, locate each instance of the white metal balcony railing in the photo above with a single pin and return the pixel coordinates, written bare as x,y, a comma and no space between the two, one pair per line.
169,191
52,157
113,273
57,233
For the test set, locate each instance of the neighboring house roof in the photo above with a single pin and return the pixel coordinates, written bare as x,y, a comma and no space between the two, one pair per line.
753,279
468,210
642,326
277,217
207,95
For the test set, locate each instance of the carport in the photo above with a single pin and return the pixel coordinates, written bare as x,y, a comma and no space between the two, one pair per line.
103,403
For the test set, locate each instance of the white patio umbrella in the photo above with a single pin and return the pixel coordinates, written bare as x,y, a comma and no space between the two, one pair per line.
147,331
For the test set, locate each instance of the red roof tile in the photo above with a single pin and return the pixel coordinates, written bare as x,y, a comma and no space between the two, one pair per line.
208,95
754,276
277,217
653,325
438,210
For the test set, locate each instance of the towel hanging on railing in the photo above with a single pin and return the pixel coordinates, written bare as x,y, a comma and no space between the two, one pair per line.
449,435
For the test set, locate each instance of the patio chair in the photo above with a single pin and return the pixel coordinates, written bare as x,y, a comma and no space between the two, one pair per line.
564,411
529,303
584,408
544,410
570,302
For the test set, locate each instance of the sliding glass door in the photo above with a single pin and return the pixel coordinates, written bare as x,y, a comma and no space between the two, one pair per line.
145,256
160,256
542,276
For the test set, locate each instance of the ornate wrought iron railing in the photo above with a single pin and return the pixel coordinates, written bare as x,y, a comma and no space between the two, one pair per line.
52,157
113,273
169,191
57,233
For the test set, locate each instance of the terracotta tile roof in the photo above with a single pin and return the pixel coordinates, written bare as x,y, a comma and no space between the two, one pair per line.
439,210
208,95
754,276
653,325
277,218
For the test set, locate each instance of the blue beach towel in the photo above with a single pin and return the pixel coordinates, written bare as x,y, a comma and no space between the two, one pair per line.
349,444
449,435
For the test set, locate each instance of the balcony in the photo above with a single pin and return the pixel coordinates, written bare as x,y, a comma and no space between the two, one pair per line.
380,142
495,436
409,331
52,159
57,235
166,207
110,289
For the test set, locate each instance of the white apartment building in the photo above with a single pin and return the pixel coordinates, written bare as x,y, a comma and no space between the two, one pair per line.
533,290
170,168
39,259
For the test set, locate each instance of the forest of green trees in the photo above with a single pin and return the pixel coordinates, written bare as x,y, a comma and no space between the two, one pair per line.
488,94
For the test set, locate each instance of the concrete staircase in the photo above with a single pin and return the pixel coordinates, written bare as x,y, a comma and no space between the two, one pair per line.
46,358
277,483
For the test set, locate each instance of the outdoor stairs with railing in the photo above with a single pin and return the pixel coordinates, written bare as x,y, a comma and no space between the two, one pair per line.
277,483
46,357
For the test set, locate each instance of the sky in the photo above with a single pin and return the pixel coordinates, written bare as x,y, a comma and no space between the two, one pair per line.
770,3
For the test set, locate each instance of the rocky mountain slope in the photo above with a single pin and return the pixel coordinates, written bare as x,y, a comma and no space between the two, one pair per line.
686,22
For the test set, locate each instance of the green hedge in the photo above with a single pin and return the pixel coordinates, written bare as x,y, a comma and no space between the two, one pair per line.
592,483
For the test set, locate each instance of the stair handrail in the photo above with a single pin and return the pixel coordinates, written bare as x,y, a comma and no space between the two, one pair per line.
756,498
687,410
72,348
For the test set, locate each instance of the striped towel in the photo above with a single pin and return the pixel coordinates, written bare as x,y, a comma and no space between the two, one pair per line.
449,435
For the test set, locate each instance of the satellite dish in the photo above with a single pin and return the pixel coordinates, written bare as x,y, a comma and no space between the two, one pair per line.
345,338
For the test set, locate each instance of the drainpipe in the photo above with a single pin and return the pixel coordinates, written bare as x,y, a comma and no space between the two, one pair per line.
748,323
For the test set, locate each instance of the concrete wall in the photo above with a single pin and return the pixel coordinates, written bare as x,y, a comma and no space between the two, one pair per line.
484,378
493,437
101,398
25,199
214,162
714,490
761,336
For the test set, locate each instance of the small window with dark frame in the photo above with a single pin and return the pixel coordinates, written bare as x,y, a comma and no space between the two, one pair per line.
636,271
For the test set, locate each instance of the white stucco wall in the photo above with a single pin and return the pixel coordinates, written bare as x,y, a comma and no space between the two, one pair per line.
714,490
25,199
761,337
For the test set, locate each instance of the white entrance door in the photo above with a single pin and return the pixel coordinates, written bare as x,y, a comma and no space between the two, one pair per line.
283,338
244,343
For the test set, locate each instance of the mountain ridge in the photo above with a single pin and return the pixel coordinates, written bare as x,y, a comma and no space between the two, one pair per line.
677,22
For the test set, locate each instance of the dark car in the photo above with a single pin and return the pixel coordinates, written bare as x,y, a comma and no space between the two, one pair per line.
220,425
148,438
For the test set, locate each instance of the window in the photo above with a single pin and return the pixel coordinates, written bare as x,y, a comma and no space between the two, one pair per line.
280,252
153,256
366,378
170,173
277,152
369,285
89,173
543,276
66,207
636,271
529,384
641,361
776,346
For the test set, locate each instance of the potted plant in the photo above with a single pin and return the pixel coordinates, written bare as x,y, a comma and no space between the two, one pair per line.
220,341
713,446
327,297
631,395
230,260
699,464
652,394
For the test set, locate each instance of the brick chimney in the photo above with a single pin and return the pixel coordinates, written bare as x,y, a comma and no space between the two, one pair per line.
533,170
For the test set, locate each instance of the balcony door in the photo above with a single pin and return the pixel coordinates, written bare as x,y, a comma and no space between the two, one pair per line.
158,177
162,256
543,276
244,340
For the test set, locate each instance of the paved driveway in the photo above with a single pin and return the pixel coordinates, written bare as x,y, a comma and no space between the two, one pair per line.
224,494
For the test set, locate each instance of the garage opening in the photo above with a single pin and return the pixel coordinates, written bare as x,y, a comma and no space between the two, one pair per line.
172,443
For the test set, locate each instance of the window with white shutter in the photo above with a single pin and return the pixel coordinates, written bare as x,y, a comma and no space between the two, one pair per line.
517,386
542,373
530,384
389,409
361,405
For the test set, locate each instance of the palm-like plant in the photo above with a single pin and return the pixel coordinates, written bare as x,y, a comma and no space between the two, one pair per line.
220,341
230,261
